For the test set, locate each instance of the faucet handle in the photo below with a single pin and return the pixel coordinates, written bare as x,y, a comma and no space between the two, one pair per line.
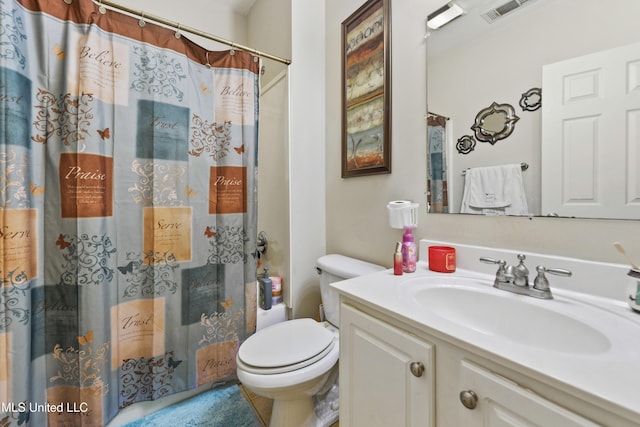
541,282
488,260
501,263
501,275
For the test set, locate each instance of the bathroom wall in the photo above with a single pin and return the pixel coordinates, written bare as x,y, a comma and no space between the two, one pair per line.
307,185
295,194
219,20
273,159
269,30
357,223
273,178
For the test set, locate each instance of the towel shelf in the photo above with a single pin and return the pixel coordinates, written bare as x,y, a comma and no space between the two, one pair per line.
524,166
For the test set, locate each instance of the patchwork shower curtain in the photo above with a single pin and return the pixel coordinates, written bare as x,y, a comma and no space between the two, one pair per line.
127,211
437,197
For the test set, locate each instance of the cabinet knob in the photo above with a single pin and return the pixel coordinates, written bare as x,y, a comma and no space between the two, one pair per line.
417,369
469,399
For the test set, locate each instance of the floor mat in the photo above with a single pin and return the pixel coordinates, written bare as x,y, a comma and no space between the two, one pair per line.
221,407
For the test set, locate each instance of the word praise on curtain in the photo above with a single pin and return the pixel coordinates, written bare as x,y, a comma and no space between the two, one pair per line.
127,212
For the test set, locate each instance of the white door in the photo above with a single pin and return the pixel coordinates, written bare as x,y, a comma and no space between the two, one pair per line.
591,135
380,383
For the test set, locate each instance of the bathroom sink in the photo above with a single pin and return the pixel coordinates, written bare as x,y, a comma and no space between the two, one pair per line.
554,325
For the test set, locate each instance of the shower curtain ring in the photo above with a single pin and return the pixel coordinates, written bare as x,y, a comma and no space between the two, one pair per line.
102,9
141,22
233,50
178,35
207,57
68,1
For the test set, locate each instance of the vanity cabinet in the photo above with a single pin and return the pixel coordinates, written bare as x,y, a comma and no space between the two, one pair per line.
392,374
493,400
386,374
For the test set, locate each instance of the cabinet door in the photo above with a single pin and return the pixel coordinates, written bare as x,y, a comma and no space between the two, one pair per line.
380,379
502,403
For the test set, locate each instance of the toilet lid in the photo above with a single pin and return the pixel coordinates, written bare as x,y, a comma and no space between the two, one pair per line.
294,344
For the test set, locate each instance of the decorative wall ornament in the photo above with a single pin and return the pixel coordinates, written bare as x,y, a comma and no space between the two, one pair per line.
494,123
366,90
466,144
531,100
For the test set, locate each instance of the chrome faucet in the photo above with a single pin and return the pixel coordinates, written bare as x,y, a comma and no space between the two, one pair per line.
516,278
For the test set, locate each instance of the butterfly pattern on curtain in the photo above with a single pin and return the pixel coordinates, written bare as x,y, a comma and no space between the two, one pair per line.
128,162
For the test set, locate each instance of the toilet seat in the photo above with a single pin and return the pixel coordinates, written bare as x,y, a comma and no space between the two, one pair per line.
285,347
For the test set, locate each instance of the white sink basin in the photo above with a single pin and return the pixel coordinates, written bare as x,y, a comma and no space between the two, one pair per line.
558,325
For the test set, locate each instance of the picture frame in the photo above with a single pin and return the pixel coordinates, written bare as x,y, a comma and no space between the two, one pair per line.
366,90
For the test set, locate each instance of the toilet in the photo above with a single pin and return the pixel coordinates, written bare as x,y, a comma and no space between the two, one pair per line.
290,361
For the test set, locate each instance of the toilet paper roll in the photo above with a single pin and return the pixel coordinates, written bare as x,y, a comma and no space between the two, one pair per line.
402,213
399,204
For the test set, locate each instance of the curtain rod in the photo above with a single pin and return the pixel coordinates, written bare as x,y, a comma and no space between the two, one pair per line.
179,27
436,114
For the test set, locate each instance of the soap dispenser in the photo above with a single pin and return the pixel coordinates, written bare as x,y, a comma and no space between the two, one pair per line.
265,289
409,250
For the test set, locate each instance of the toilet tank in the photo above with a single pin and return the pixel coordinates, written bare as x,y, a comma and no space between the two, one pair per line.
333,268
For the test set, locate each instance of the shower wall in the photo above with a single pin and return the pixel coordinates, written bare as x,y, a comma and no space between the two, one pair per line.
273,178
273,160
291,205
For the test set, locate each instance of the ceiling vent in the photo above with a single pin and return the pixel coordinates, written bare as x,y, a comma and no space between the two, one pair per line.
498,12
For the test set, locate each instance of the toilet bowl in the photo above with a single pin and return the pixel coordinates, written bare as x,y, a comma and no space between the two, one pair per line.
291,361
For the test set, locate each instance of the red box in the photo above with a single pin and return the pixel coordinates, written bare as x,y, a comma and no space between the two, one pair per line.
442,259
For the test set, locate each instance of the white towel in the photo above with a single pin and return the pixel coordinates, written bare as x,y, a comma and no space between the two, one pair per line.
494,190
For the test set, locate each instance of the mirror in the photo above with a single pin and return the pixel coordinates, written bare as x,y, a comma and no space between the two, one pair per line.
494,123
483,58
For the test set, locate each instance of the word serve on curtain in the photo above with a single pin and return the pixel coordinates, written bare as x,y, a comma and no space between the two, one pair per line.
128,214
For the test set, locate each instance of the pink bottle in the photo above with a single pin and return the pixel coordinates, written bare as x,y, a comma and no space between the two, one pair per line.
409,251
397,260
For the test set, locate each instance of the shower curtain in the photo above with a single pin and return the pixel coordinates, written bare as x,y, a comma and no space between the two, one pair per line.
128,214
437,197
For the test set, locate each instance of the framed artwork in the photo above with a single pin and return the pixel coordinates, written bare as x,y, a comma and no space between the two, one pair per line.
366,90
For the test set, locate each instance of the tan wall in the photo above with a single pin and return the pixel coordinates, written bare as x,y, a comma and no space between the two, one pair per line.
273,159
357,223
